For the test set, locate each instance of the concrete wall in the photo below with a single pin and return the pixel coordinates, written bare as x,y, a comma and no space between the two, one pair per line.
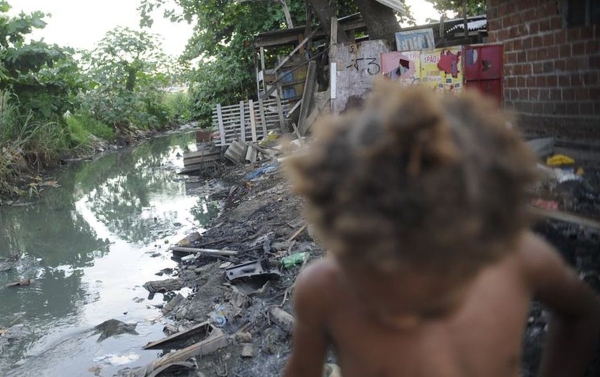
551,69
357,64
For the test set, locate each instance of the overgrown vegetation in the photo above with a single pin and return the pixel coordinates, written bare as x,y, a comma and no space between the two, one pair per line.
56,101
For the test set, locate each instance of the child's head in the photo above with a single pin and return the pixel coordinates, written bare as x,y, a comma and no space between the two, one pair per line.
417,181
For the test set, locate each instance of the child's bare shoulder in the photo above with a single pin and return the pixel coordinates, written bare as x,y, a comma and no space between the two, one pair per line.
550,279
538,258
315,287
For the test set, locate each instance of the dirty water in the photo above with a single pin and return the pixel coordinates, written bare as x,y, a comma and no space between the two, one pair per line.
89,246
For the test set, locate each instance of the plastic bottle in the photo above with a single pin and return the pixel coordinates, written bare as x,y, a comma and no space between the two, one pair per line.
294,259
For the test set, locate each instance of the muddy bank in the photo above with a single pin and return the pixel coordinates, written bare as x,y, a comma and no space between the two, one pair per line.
262,220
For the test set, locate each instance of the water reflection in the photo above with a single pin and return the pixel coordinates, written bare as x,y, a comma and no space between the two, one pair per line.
86,244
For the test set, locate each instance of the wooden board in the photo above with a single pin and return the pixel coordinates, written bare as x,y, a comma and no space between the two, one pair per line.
203,328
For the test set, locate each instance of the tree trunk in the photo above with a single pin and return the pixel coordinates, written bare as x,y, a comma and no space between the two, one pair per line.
380,20
286,12
324,12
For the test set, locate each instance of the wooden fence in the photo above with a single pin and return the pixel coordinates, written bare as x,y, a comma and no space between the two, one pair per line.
249,121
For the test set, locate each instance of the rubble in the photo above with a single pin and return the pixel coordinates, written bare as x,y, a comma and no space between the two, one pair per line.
237,320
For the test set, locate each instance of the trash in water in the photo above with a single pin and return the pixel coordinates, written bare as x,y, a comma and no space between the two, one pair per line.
113,359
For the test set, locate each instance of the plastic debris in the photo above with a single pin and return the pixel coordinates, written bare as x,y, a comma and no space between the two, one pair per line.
294,259
559,160
545,204
265,169
217,316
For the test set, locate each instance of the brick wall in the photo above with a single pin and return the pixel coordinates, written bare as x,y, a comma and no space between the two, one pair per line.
551,72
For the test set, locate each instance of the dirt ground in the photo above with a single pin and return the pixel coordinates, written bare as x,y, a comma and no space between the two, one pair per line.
258,219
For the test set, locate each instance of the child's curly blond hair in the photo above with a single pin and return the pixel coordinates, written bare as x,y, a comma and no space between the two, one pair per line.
417,180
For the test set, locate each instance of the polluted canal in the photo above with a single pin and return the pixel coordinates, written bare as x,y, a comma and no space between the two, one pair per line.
88,246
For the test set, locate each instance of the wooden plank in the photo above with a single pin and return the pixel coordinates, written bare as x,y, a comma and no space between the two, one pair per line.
202,153
307,96
296,49
226,253
567,217
263,121
298,134
319,106
199,160
333,80
296,107
252,119
221,129
217,340
192,331
242,122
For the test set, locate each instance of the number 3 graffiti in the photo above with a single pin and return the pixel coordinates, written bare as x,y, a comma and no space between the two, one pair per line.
373,67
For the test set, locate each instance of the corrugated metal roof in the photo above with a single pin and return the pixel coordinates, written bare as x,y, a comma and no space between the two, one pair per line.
471,25
396,5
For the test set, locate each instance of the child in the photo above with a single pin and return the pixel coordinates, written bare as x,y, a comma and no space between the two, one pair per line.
421,201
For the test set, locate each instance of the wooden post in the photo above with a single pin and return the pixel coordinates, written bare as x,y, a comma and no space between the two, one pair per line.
263,120
307,96
221,127
308,25
280,113
262,67
466,23
242,121
258,93
334,31
302,51
252,119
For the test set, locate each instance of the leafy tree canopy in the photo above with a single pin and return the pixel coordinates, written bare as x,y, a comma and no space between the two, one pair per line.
129,72
39,77
474,7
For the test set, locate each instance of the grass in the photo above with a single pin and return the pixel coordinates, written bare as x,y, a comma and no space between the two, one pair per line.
28,145
82,124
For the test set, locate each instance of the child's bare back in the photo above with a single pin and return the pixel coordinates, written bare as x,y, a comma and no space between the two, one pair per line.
428,275
481,336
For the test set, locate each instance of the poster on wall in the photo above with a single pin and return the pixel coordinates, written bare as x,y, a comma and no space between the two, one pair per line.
404,67
413,40
441,69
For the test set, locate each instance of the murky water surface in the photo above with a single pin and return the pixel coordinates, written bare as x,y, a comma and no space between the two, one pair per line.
89,246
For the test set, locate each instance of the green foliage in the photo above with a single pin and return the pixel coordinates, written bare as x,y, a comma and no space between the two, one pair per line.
129,73
42,79
221,47
180,106
474,7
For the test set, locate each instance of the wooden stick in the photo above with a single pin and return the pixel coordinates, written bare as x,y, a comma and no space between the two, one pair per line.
18,283
227,253
298,134
297,233
282,318
564,216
